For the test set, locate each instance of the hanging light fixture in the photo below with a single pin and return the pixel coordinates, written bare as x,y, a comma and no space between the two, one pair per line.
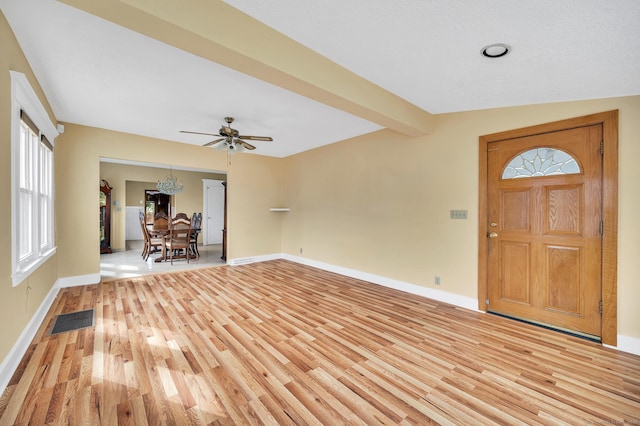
170,184
230,146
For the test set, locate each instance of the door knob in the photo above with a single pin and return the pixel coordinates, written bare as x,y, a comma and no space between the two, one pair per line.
493,235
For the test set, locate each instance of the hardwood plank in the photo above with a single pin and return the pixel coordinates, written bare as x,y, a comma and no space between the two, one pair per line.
281,343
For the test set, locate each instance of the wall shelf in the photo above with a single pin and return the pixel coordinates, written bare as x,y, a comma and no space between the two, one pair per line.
279,209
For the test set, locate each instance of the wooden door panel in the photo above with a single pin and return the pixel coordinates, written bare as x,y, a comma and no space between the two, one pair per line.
515,274
564,280
515,207
564,210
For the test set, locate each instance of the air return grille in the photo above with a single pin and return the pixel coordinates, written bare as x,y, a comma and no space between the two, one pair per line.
73,321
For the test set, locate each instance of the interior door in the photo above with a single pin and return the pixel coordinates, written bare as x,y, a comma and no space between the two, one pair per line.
213,215
544,231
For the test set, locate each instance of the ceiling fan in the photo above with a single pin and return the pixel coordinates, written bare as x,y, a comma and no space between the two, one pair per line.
230,139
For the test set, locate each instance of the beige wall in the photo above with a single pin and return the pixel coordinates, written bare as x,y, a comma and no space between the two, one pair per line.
380,203
17,304
135,192
78,152
255,184
120,177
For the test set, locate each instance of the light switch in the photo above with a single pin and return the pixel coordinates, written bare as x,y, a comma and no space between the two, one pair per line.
458,214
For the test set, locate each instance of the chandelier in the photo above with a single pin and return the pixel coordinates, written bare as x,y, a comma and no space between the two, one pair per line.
169,185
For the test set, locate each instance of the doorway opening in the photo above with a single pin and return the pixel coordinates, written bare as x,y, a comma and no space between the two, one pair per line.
155,202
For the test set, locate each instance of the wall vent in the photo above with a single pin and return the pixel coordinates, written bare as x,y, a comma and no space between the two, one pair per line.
243,261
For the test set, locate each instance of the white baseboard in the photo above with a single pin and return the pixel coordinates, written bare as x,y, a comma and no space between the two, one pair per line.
627,344
431,293
78,280
12,360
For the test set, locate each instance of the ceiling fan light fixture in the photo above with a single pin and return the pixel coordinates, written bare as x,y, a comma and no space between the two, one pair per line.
496,50
231,147
230,139
235,148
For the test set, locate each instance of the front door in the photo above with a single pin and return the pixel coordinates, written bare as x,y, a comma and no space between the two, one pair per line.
544,228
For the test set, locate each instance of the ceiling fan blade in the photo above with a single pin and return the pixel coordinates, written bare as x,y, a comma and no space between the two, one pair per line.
246,145
198,133
256,138
213,142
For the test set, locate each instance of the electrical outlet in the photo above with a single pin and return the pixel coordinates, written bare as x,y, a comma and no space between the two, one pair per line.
458,214
300,250
436,280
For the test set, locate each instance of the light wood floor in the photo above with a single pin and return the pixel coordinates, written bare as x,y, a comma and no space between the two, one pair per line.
281,343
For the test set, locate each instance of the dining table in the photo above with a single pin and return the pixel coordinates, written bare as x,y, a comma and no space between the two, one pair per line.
162,233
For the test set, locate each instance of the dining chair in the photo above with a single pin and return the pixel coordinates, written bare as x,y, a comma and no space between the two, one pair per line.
196,223
181,216
160,222
178,239
151,244
144,237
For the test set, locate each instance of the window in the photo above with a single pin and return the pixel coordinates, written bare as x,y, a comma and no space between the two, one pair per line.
541,162
31,180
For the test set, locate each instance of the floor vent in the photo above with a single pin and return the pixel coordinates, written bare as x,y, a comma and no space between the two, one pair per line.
73,321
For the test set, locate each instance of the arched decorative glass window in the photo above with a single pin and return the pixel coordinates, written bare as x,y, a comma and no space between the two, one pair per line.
541,162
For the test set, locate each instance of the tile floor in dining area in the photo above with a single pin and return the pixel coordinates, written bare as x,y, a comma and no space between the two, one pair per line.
129,263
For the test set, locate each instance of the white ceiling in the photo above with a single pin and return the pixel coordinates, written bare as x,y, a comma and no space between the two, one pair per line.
99,74
428,51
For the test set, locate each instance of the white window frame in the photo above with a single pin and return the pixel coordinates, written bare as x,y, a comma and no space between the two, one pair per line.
23,97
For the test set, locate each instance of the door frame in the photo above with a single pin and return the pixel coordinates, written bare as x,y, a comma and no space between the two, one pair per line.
609,122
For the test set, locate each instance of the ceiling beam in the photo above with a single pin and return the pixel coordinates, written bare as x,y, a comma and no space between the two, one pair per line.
218,32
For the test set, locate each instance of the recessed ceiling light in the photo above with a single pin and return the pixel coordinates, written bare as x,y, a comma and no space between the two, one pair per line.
495,50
